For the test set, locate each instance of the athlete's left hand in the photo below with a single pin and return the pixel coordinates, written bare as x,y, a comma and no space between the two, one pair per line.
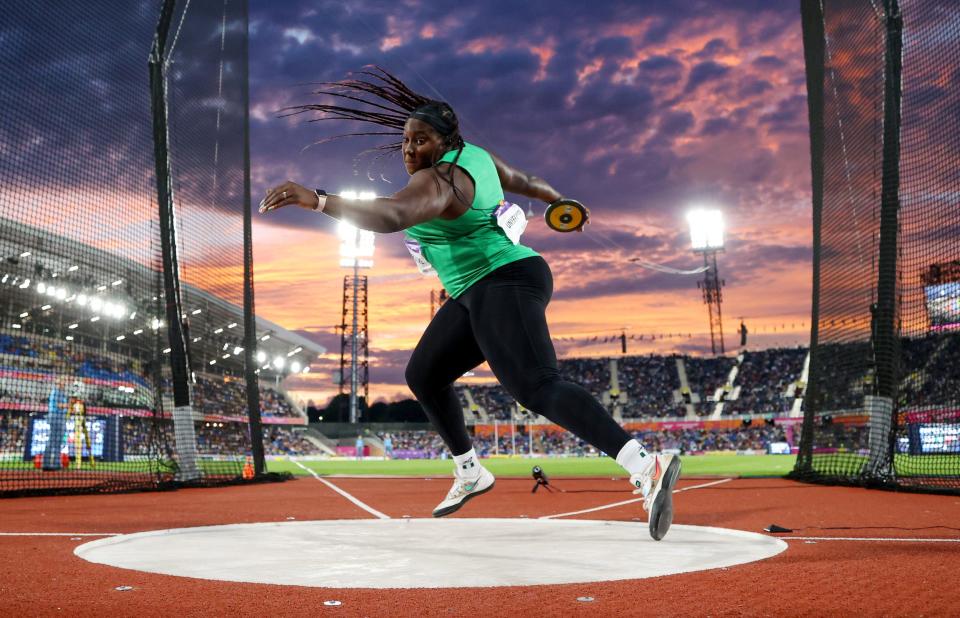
289,194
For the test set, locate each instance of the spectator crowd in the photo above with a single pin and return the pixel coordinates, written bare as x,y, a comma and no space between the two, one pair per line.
428,444
144,436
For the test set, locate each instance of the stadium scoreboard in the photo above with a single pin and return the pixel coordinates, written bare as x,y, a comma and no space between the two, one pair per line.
941,288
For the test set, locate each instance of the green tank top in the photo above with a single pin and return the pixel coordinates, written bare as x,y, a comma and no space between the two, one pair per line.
466,249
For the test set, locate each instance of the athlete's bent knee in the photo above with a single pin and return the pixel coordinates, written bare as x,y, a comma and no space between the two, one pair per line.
415,380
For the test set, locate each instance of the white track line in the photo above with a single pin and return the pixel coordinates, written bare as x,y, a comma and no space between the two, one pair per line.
60,533
853,538
702,485
616,504
349,497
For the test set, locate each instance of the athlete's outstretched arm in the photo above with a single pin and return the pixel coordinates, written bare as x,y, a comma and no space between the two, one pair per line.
522,183
423,199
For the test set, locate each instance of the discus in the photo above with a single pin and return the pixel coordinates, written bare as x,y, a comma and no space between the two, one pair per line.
566,216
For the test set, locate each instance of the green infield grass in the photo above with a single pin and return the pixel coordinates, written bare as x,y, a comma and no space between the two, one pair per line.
698,465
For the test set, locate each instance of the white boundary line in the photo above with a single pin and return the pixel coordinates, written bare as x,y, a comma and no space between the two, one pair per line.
349,497
616,504
60,534
854,538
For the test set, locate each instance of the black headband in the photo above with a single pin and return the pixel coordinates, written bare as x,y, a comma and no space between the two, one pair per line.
440,117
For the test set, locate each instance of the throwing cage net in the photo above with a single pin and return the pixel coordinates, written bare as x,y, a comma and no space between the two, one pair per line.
125,265
882,406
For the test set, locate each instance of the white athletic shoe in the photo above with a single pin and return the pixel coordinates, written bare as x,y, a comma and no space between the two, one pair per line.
657,490
463,490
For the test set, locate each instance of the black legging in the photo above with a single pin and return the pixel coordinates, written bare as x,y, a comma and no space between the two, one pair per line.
501,319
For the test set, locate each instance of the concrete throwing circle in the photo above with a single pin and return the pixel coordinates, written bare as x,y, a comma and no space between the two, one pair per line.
429,553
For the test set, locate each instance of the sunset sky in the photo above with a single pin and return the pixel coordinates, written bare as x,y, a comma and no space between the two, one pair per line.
641,110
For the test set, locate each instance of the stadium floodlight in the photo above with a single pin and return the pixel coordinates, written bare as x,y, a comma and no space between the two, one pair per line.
706,229
237,350
82,300
41,287
706,237
96,304
117,282
356,252
306,369
45,307
356,246
155,324
264,338
25,284
72,326
61,293
51,290
261,356
138,331
73,268
295,367
279,362
25,254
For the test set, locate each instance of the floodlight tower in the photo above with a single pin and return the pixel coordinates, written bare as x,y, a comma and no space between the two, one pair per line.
706,237
356,252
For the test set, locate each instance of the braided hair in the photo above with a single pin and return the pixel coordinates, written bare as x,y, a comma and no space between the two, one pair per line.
382,99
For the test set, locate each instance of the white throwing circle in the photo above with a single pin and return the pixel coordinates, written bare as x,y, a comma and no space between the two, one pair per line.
429,553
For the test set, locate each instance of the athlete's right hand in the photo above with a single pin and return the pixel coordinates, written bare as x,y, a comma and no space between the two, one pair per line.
289,194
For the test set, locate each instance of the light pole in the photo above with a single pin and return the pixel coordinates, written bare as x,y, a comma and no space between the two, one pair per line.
356,252
706,238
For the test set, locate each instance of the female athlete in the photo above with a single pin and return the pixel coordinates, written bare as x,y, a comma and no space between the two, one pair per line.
456,223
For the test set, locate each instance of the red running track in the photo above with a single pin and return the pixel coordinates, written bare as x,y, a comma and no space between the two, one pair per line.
40,576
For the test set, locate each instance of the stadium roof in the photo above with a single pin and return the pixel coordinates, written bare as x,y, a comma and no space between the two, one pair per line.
65,287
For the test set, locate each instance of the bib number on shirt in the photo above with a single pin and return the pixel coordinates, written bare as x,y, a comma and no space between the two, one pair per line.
511,219
416,252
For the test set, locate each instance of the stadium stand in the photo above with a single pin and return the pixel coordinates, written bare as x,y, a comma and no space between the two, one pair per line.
650,382
425,444
592,374
706,376
763,379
